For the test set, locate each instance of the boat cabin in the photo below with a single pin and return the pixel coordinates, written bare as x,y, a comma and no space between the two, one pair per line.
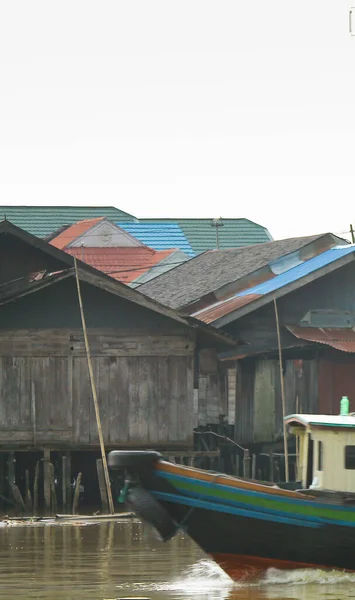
325,451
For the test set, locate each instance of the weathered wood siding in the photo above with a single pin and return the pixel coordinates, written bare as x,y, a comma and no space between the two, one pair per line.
212,393
259,417
144,385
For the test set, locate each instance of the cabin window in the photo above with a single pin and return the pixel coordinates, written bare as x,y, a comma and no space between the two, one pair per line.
350,457
320,456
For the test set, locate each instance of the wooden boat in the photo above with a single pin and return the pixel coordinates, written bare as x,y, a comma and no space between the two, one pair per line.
248,526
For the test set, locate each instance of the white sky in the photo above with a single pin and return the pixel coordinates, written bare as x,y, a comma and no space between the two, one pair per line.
181,108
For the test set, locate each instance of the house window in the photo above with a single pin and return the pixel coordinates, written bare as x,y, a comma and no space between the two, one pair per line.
350,457
320,456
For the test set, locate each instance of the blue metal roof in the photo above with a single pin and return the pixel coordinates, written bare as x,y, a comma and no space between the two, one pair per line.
299,271
159,236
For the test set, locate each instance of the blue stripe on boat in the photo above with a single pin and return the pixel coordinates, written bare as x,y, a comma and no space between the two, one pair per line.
215,485
242,512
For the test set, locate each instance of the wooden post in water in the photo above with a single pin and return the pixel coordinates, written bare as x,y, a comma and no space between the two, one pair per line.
28,497
102,485
94,393
66,483
18,498
52,487
76,494
46,481
11,471
36,489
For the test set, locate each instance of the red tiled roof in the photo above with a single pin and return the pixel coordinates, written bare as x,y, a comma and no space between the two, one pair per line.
341,339
122,263
71,233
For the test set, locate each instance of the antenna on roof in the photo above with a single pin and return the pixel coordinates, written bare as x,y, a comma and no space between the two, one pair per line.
217,223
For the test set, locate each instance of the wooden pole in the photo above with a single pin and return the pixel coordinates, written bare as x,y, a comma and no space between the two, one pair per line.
102,486
283,400
35,489
28,497
76,493
352,234
53,490
46,481
94,394
18,498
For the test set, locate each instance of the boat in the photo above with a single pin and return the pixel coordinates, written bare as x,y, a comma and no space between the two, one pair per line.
248,526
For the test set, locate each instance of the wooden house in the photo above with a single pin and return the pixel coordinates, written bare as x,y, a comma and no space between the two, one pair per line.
143,357
312,282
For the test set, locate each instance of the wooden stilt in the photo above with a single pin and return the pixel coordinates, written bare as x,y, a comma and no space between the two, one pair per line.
11,471
237,465
246,464
68,482
18,498
64,483
46,481
76,494
102,485
271,475
253,466
52,488
36,489
28,497
2,473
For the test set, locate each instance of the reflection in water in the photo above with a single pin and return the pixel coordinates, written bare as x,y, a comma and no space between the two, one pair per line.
110,560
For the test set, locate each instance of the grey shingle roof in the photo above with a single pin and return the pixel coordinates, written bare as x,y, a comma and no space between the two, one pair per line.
213,269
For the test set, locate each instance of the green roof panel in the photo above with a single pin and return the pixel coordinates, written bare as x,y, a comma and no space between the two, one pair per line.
234,233
44,220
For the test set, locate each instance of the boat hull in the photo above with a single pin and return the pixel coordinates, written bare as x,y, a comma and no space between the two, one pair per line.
247,527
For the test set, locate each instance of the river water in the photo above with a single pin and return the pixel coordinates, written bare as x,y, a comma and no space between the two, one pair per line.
110,560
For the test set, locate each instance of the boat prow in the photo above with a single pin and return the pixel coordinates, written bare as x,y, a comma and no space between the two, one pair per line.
245,526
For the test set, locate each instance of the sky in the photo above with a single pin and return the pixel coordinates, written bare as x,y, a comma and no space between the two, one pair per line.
189,108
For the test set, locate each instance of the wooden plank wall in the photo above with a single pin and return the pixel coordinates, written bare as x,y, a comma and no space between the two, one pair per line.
212,384
258,400
144,384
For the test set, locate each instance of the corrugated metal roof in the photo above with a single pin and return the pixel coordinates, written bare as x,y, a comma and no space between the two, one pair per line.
71,233
214,312
279,281
341,339
44,220
234,233
295,273
159,236
123,264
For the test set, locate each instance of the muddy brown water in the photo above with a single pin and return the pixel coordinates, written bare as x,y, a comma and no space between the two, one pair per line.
109,560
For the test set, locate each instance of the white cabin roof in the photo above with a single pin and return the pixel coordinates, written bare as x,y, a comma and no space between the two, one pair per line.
346,421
